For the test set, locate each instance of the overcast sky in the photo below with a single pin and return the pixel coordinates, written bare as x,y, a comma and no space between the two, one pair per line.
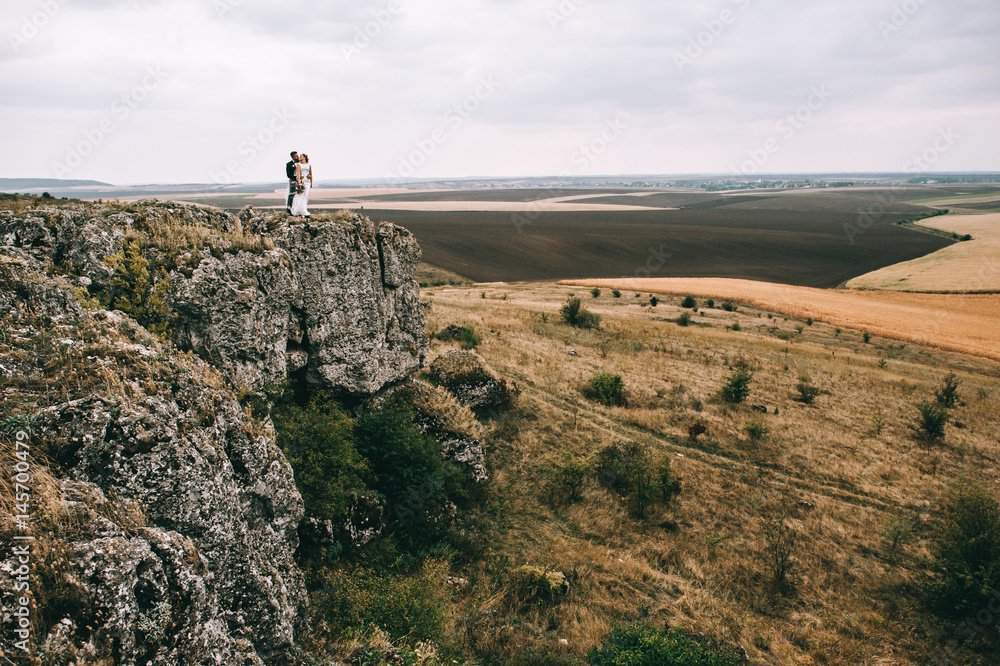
185,91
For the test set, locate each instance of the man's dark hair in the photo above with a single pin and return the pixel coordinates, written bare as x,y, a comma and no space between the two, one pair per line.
293,153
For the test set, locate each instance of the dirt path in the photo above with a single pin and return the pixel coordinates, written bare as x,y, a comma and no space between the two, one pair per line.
968,323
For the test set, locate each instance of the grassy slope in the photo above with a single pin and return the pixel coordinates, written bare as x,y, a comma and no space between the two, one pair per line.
853,604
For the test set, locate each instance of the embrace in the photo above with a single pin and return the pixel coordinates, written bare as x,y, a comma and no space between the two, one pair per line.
300,181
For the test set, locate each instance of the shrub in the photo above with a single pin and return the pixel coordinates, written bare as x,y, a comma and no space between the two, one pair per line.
867,337
947,393
631,472
535,584
684,319
132,292
696,429
574,314
710,303
807,392
318,442
568,478
689,302
929,426
897,530
809,321
595,292
616,293
607,389
402,606
653,300
728,307
643,645
736,326
737,386
966,547
756,430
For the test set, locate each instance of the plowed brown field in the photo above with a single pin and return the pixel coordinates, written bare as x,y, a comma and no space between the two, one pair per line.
968,323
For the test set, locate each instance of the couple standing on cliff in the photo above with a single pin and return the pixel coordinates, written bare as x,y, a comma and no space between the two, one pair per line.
300,181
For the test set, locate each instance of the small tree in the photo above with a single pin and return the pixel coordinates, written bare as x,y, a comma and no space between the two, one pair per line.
710,303
595,292
807,392
631,471
653,300
574,314
728,307
689,302
737,386
684,319
616,293
568,478
929,426
897,530
947,393
779,546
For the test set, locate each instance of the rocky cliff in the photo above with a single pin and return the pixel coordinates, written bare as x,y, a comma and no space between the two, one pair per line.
165,515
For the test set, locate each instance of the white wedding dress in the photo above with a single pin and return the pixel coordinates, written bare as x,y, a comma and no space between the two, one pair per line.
301,200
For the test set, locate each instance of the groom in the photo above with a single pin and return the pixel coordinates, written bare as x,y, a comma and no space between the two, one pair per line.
292,180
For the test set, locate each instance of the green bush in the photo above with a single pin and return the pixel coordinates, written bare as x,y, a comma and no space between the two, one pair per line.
653,300
689,302
643,645
684,319
807,392
403,606
607,389
568,478
595,292
756,430
574,314
931,421
966,548
318,441
132,291
867,337
728,307
947,393
632,473
465,335
737,386
616,293
710,303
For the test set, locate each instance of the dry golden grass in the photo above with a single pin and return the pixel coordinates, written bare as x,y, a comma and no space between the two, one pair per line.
852,603
964,323
969,266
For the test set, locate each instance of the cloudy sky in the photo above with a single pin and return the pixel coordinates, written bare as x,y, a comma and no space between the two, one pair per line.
221,90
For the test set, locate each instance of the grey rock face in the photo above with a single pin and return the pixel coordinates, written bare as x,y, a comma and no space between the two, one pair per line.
318,303
177,513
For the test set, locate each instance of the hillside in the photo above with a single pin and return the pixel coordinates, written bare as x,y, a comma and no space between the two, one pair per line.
251,439
845,471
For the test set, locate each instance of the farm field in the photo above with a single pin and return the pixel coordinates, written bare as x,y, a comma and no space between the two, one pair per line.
957,322
970,266
768,245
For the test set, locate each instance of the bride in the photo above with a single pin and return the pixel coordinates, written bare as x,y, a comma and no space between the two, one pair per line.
303,171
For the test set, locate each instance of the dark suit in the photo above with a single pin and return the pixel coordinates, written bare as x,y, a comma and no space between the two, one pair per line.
292,179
